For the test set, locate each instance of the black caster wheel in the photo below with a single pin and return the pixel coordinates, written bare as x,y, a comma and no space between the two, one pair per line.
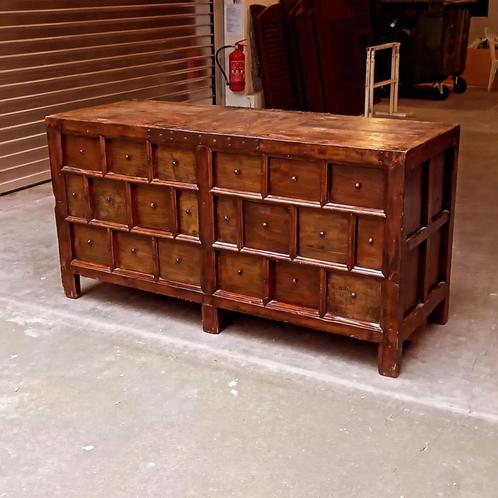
459,84
440,92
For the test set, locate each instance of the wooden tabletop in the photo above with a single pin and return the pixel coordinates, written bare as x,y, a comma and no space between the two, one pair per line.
305,127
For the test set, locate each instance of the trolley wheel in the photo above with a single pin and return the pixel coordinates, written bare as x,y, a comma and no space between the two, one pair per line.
440,92
459,84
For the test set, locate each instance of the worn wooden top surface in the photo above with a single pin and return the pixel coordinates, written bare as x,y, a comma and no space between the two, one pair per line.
304,127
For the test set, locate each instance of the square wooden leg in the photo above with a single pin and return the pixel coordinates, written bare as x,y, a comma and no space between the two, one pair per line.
211,319
390,357
71,284
440,313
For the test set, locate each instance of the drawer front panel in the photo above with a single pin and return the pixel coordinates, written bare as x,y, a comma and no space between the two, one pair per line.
295,179
356,297
370,243
91,244
75,194
180,262
323,235
266,227
189,213
226,219
237,172
153,207
127,158
175,165
241,273
297,284
363,187
135,252
81,152
109,200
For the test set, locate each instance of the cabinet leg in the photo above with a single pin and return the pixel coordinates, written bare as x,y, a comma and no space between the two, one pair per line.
211,320
71,284
440,313
390,358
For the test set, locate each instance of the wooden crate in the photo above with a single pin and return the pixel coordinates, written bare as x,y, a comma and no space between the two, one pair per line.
341,224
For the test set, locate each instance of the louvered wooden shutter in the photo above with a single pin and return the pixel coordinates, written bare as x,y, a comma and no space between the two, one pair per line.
338,43
289,8
57,55
304,19
273,57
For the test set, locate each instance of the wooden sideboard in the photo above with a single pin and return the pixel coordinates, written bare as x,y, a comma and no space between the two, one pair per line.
340,224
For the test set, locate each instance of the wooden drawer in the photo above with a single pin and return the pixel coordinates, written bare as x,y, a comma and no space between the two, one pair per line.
189,212
135,252
180,262
323,235
363,187
370,243
127,158
75,193
295,179
226,219
175,165
241,273
266,227
109,200
153,207
237,172
297,284
91,245
353,296
81,152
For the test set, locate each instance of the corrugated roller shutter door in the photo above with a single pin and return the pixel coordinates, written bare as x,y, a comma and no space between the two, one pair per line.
54,57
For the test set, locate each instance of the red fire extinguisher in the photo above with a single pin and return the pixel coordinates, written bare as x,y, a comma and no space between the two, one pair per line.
237,66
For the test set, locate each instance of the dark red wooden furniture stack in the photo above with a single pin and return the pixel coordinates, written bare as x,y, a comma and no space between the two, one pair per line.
312,54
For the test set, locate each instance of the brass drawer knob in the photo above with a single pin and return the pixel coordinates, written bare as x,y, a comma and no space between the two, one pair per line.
188,211
108,199
264,224
74,195
82,151
89,242
226,218
357,185
236,172
133,250
370,240
294,281
322,234
127,157
239,271
178,261
353,295
153,205
174,163
294,178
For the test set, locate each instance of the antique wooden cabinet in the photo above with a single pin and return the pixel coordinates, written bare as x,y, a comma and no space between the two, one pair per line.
341,224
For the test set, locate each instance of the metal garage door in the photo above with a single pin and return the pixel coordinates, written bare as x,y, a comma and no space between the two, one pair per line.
58,55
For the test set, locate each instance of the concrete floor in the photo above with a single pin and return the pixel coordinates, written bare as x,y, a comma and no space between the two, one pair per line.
133,399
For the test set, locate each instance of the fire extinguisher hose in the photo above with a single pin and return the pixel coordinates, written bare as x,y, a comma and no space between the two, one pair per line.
218,62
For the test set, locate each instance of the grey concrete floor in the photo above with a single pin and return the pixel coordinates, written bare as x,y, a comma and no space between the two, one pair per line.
120,393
